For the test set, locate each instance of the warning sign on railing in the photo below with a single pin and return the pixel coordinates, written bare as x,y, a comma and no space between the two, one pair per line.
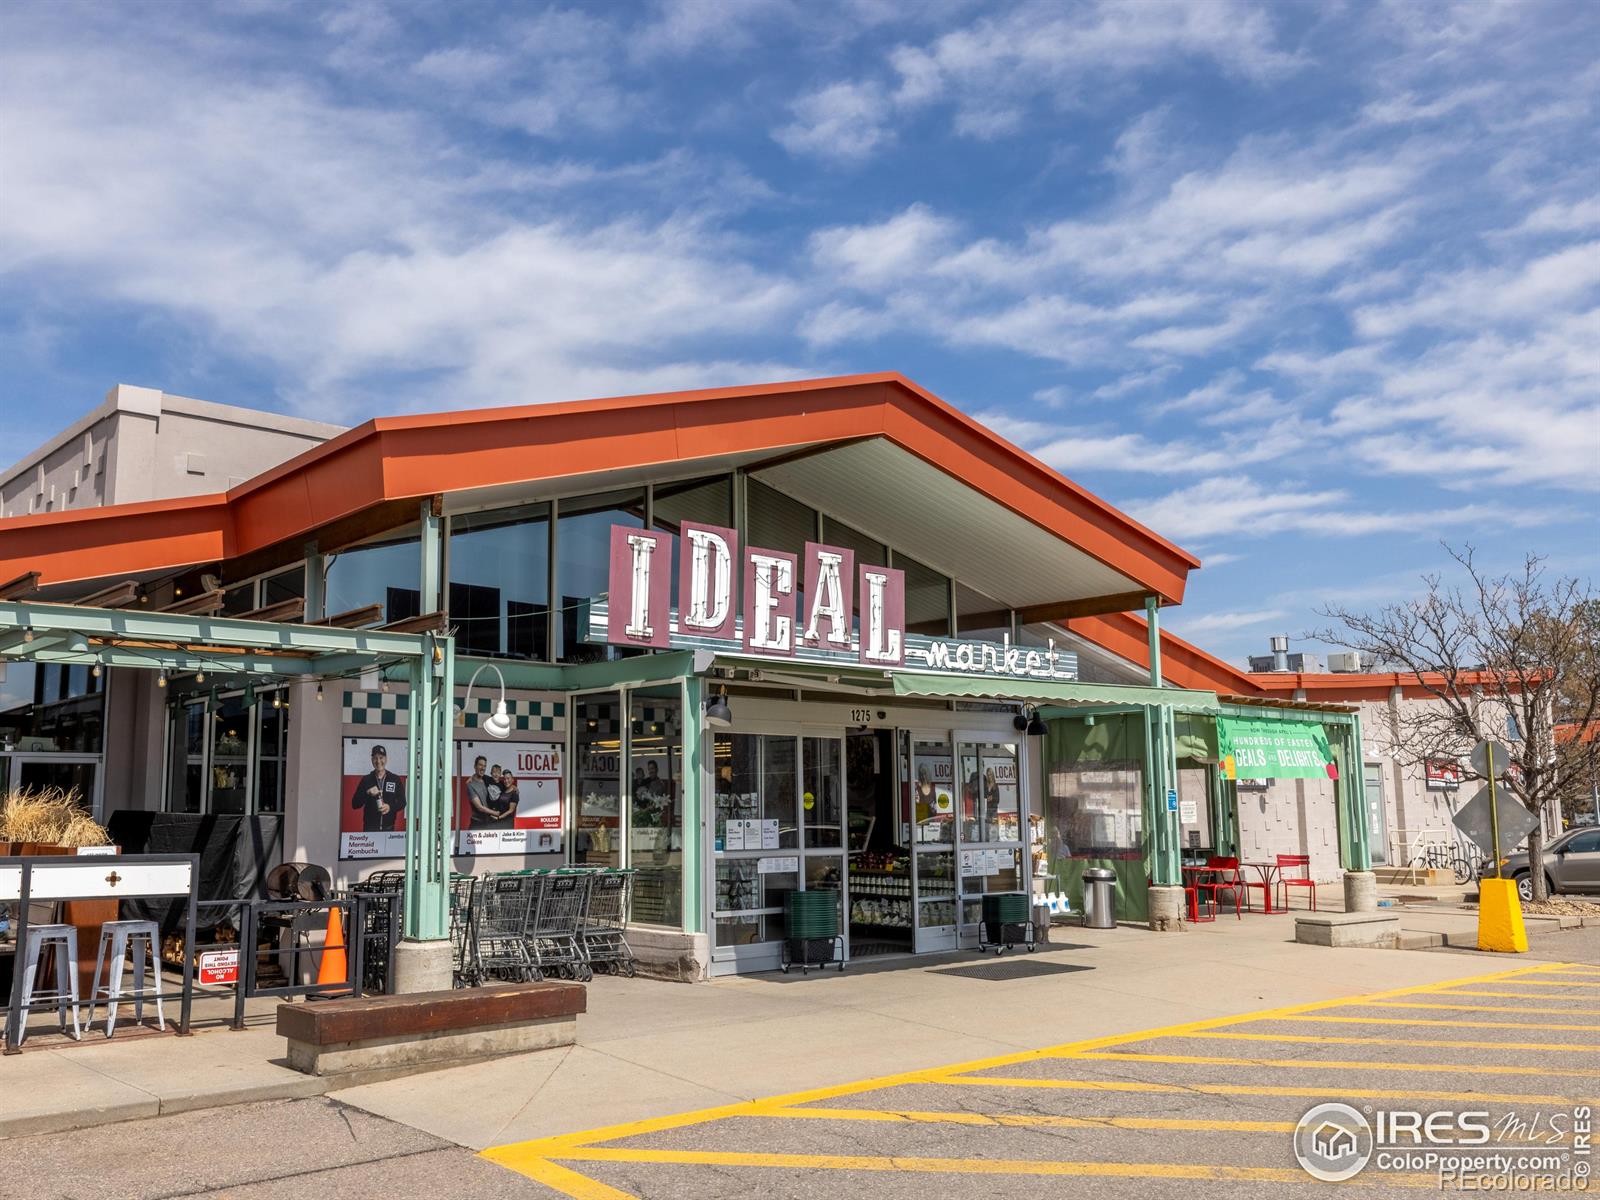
219,966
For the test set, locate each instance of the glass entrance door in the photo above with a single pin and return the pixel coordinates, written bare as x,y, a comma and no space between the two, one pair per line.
989,828
1377,815
931,770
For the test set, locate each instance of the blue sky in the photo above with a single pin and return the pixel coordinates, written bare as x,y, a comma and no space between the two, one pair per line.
1306,287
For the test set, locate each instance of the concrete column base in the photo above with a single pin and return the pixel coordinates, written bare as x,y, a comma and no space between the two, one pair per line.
1166,909
423,966
1360,891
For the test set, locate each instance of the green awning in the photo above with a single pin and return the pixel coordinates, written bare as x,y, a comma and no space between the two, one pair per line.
1049,693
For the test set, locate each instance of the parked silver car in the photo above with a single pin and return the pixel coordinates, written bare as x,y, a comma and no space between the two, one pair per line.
1571,864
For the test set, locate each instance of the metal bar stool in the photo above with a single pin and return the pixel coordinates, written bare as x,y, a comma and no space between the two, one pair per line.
121,936
64,938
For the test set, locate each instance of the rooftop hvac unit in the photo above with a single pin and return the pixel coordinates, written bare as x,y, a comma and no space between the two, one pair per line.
1345,662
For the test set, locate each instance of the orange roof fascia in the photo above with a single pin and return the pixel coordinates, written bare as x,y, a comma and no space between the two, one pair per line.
121,539
392,458
1344,685
1183,663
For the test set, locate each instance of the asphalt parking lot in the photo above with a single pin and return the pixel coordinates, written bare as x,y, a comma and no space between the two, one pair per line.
1205,1108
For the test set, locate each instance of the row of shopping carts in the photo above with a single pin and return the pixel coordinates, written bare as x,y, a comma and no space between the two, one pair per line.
524,925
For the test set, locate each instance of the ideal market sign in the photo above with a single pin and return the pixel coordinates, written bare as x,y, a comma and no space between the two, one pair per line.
639,612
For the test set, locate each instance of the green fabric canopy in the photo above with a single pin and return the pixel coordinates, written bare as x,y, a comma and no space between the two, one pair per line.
1051,692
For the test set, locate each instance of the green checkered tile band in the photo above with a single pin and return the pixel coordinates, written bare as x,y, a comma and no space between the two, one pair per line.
393,708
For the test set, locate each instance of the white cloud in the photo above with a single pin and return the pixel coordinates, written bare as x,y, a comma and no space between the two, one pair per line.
994,70
1242,508
1200,624
342,244
843,121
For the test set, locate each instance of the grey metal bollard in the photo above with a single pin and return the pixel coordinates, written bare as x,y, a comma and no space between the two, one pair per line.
1099,898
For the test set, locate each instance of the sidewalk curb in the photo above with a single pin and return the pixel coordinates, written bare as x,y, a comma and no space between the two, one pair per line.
138,1110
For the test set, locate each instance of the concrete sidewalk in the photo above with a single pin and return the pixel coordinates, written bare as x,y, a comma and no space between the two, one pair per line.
648,1048
1448,916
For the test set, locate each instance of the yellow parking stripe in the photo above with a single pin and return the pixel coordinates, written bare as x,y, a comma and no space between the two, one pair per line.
1430,1021
1316,1039
1503,995
1247,1089
974,1166
1206,1060
1558,983
1513,1008
533,1157
1033,1120
569,1182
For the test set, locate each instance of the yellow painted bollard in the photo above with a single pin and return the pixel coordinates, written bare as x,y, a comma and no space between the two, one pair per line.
1500,917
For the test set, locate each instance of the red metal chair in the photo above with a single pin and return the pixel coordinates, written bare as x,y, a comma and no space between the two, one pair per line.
1287,881
1225,877
1191,894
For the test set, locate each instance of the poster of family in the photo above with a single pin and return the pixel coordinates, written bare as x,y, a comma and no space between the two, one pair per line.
508,798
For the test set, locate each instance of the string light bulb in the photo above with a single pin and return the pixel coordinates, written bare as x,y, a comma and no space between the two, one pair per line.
161,679
95,671
319,693
199,676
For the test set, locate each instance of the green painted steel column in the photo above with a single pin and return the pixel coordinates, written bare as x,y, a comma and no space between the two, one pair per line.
1152,610
445,708
1167,864
316,578
418,759
694,824
1355,847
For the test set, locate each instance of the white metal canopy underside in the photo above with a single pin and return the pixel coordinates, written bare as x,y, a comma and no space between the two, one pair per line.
894,497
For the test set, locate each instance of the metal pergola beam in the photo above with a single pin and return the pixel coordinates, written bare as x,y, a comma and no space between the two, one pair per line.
186,642
195,630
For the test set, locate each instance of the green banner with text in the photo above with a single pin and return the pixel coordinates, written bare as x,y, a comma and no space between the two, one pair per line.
1274,750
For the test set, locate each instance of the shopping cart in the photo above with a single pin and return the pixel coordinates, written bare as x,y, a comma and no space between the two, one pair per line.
605,923
502,908
463,945
380,897
556,929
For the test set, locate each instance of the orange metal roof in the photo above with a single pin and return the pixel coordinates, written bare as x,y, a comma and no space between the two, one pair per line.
393,458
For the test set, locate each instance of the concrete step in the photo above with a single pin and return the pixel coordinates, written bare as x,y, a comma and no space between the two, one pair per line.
1414,876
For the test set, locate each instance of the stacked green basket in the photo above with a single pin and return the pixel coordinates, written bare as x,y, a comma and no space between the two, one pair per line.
1002,910
811,927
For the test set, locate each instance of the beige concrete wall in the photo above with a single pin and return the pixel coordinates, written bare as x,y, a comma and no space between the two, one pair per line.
142,444
1292,816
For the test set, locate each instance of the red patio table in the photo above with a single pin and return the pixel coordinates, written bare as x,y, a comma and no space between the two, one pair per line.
1269,879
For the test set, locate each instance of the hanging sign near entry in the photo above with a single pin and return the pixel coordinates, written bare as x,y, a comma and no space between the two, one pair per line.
1274,750
822,606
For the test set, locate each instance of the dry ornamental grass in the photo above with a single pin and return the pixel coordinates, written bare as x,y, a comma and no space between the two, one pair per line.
52,816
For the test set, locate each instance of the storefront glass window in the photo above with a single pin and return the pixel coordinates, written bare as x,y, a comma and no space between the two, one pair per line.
285,585
927,598
240,598
1094,809
979,617
597,746
384,573
500,582
779,522
655,810
932,791
230,757
989,793
583,565
1194,810
704,501
52,708
868,552
272,745
820,801
755,796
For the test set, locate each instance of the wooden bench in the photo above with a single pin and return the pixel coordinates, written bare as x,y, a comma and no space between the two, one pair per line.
429,1029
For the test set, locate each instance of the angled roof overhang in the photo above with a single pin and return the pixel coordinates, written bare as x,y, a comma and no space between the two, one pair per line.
955,488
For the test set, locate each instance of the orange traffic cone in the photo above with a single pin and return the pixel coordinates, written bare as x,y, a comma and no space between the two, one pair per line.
333,968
